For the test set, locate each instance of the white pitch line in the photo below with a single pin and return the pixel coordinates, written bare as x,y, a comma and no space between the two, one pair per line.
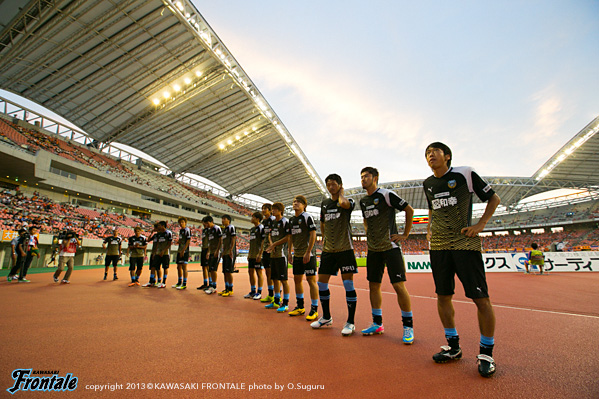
494,305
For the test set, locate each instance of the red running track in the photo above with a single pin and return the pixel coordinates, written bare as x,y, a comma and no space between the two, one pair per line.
104,332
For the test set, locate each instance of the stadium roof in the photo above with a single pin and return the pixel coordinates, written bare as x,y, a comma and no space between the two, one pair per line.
153,75
574,166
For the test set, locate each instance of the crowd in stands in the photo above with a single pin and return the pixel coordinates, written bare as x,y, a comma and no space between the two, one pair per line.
33,140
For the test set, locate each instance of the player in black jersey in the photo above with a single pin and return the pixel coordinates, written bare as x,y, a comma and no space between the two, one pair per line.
204,258
455,248
378,209
337,253
278,263
267,224
112,245
136,251
255,256
228,254
183,254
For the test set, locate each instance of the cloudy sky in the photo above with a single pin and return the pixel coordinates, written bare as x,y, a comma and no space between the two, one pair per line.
504,83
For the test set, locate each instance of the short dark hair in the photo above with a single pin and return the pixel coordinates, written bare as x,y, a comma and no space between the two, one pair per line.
534,245
257,215
226,217
208,219
162,223
334,177
369,169
443,147
32,227
267,206
279,206
182,219
302,199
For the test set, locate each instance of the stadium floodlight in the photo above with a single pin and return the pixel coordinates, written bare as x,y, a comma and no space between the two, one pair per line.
180,6
166,94
229,141
254,129
221,146
156,101
237,137
198,73
187,81
245,133
177,87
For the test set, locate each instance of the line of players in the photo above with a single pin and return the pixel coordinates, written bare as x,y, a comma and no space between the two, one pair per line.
455,248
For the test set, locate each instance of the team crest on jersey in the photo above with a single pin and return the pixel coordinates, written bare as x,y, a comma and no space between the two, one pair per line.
376,201
451,183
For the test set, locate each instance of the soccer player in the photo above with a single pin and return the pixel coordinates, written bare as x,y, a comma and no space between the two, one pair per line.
337,253
215,243
254,257
13,251
136,251
20,252
204,258
112,245
183,254
229,252
163,239
278,263
535,258
154,271
378,209
455,248
302,237
267,222
68,249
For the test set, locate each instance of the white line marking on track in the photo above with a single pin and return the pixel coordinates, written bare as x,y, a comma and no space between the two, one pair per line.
494,305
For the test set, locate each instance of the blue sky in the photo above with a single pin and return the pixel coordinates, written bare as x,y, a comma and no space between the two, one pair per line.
504,84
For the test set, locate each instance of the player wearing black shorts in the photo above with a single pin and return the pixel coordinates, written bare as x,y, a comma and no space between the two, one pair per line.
337,253
378,209
136,251
204,258
267,222
161,257
301,240
278,263
229,254
182,254
112,245
215,243
455,248
254,257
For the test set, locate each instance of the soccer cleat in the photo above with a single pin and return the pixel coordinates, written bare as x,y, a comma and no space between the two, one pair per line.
322,322
55,280
132,284
24,281
297,311
447,354
348,329
222,292
227,293
182,287
115,277
104,277
249,295
137,283
408,335
272,305
486,365
267,299
203,287
65,282
312,316
157,285
148,285
210,290
257,296
161,285
283,308
175,286
373,329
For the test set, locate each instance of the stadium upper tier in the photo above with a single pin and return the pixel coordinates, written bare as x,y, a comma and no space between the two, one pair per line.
153,74
32,140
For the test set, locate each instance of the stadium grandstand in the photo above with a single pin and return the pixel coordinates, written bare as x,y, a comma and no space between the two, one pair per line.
159,80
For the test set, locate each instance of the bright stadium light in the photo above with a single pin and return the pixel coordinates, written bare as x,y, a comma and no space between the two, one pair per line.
156,101
237,137
221,146
166,94
245,133
177,87
187,81
180,6
198,73
229,141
